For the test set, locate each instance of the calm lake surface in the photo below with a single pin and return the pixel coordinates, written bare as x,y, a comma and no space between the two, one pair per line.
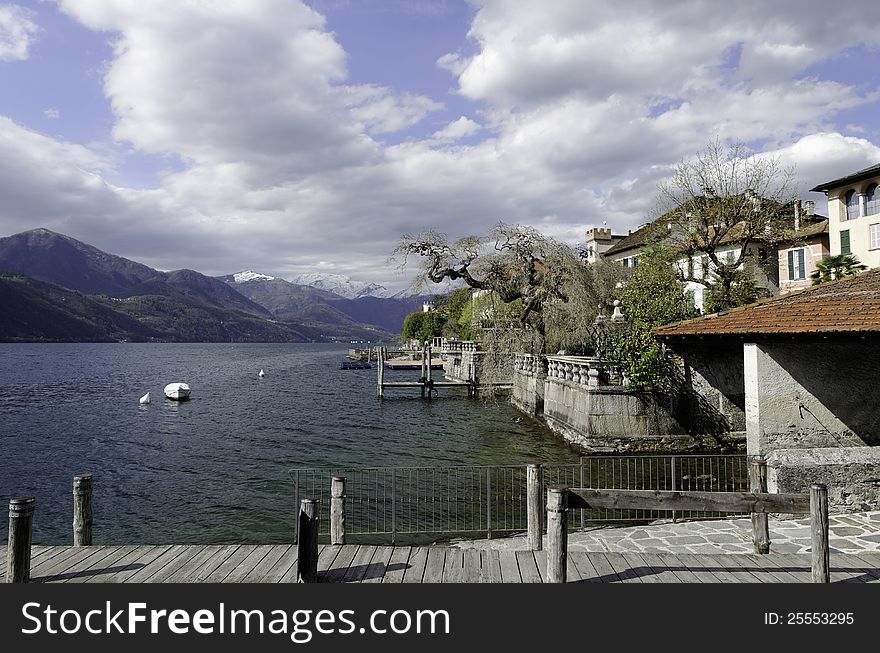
215,468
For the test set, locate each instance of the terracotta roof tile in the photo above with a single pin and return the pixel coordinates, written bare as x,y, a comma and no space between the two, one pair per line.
850,305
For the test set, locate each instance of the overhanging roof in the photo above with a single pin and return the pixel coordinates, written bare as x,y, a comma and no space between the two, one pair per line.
847,306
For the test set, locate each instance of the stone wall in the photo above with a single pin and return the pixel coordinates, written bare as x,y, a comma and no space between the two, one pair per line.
852,475
803,395
529,374
616,418
714,388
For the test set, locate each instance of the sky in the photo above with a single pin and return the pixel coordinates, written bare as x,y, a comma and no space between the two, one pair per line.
288,136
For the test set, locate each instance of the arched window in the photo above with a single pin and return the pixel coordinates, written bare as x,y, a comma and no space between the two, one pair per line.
873,200
852,205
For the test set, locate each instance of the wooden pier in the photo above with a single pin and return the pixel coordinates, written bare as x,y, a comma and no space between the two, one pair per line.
352,563
425,383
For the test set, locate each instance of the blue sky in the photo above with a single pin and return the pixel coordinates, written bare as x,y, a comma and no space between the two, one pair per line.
293,137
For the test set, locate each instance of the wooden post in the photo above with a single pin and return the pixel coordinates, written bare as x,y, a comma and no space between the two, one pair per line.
534,509
82,510
819,532
380,372
430,356
307,559
337,510
557,534
424,376
18,550
760,523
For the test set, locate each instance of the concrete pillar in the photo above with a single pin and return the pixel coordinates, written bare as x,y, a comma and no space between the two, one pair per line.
751,378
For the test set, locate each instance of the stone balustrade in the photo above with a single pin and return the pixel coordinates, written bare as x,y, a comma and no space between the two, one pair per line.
580,370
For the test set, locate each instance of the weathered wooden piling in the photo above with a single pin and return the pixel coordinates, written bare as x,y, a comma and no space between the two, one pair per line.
534,505
307,547
819,533
425,367
21,529
337,510
557,534
760,523
380,372
82,510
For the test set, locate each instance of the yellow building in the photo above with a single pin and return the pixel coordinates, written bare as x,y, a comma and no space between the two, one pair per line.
854,215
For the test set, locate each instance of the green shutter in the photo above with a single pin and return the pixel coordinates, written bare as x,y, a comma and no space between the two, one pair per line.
790,264
802,272
844,242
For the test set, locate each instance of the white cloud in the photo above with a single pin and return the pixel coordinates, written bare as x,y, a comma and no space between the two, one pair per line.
585,109
461,128
17,32
52,114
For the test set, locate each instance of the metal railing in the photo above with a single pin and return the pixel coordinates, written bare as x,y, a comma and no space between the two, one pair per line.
469,500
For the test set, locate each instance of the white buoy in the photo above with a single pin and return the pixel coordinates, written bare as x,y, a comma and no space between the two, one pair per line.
145,399
262,373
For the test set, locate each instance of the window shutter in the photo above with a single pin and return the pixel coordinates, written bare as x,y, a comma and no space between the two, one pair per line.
802,273
844,242
790,264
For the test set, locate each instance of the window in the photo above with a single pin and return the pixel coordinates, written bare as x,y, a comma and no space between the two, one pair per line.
796,268
852,205
875,236
872,197
844,242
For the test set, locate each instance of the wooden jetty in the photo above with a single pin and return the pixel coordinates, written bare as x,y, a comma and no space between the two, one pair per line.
307,561
352,563
425,383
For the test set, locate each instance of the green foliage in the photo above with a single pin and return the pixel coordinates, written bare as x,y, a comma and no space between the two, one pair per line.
654,296
423,326
837,267
741,289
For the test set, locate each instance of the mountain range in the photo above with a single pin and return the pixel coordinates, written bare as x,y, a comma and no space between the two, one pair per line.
56,288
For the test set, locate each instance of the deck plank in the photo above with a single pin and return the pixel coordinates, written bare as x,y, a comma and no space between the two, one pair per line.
242,571
399,565
528,568
379,564
105,565
491,566
586,571
509,567
660,571
473,566
434,565
360,564
339,567
418,558
623,568
227,566
453,566
49,572
606,571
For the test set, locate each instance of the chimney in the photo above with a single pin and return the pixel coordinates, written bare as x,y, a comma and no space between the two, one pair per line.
797,215
809,207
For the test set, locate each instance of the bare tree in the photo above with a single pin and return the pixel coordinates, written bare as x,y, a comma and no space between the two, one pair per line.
516,263
721,202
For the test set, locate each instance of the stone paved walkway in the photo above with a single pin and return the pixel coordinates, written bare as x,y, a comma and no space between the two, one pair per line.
849,533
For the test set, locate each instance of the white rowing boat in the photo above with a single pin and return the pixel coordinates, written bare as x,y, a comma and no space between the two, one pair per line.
177,391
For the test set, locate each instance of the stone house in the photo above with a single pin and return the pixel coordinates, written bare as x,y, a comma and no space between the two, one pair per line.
800,373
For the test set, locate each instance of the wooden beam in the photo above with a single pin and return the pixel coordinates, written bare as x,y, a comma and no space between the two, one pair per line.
706,501
337,510
534,507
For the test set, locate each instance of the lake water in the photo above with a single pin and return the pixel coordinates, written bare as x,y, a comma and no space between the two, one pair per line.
215,468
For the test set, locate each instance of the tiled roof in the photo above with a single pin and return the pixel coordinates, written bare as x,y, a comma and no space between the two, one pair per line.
637,238
850,305
810,229
866,173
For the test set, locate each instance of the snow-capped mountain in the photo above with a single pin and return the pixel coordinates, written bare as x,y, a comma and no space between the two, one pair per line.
249,275
342,285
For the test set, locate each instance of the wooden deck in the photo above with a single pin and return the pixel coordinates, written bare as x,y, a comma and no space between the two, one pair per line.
386,564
